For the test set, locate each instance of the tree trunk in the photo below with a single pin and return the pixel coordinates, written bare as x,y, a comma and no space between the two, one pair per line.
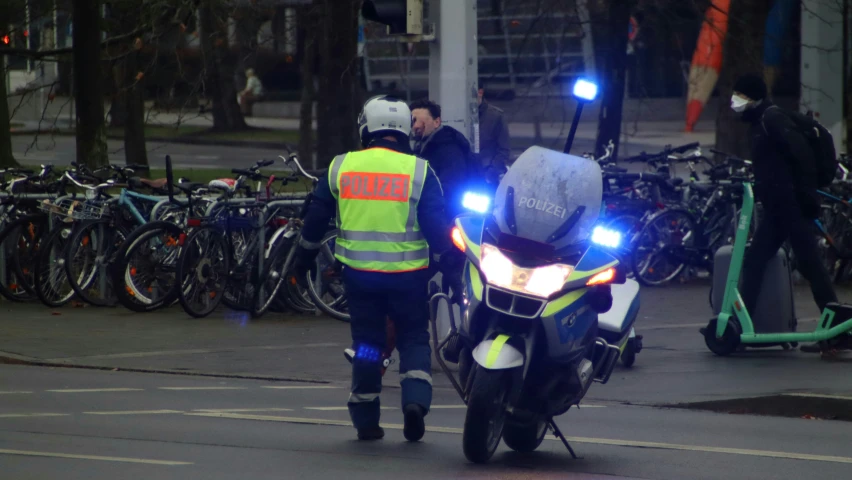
118,106
337,109
306,115
743,54
610,44
88,83
6,158
135,151
218,68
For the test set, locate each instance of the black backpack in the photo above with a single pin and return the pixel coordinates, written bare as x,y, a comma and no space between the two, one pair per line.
822,145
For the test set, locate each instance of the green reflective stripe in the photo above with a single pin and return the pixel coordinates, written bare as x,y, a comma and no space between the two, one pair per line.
380,236
495,349
416,189
475,281
563,302
373,256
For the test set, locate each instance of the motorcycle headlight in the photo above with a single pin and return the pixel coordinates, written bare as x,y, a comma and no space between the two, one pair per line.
540,281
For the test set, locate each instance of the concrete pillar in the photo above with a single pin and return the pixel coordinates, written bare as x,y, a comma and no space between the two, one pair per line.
453,66
822,64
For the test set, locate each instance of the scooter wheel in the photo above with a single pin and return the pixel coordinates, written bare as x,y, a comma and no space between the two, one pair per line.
730,339
628,356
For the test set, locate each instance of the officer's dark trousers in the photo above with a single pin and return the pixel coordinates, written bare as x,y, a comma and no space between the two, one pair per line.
371,298
783,220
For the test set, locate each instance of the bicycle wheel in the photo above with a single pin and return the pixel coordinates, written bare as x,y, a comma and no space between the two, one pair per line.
18,247
325,285
91,248
655,259
271,278
51,280
202,271
144,273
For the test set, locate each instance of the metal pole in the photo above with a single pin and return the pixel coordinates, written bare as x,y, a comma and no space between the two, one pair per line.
453,67
570,141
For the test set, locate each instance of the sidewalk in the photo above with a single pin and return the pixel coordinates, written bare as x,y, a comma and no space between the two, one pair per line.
674,367
651,134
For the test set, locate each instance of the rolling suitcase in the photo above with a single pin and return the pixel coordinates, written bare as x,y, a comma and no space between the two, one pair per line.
775,312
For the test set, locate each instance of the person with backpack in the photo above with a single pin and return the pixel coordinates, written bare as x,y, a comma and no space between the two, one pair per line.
447,151
790,164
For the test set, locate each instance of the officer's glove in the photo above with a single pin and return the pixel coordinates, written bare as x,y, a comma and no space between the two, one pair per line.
451,265
492,175
305,261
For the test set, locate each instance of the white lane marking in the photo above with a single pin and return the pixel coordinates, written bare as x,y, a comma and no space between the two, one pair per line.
26,415
303,387
92,457
95,390
201,388
194,351
818,395
237,410
134,412
447,407
207,157
14,393
588,440
338,409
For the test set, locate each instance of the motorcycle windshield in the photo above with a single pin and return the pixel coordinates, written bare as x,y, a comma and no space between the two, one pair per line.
555,197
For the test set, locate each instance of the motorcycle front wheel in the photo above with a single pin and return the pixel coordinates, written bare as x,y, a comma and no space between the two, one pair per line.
486,414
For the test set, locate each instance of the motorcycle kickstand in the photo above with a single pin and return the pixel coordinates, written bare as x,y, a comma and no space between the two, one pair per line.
560,436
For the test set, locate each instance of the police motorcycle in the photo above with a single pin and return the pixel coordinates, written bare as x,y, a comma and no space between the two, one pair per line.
538,275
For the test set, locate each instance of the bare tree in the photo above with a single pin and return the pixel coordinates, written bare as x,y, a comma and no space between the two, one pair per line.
609,25
337,97
6,157
88,84
218,68
308,19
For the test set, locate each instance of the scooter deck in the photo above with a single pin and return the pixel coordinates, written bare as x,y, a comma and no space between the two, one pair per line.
829,327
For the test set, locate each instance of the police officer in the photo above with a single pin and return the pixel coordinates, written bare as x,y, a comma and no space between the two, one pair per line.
390,216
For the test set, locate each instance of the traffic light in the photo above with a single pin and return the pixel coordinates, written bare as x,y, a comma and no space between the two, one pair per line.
403,17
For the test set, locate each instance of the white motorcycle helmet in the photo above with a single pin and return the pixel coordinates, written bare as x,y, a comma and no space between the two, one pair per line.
384,115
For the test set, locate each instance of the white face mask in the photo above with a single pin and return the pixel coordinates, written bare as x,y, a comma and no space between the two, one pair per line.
738,103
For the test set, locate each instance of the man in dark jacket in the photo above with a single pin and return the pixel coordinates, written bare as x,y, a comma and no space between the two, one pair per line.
446,150
494,147
786,184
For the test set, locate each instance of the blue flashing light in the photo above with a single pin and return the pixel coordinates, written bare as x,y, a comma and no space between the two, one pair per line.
585,90
606,238
476,202
368,354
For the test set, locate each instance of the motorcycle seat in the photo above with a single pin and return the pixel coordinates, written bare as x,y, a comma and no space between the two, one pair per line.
620,318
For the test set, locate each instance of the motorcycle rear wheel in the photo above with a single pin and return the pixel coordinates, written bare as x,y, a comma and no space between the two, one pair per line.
486,414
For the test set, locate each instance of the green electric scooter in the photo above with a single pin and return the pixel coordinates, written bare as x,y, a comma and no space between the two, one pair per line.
733,326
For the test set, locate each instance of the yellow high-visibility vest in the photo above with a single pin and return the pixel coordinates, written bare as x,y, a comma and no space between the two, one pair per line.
377,192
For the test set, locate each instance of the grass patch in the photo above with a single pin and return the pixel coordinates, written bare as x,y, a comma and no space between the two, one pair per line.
193,131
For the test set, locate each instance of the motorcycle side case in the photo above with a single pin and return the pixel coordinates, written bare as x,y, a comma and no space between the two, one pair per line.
775,312
617,324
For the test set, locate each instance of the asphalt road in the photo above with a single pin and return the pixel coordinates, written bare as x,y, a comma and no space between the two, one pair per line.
69,423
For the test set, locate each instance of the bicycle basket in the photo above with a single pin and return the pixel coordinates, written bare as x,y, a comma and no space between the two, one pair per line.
65,207
90,211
